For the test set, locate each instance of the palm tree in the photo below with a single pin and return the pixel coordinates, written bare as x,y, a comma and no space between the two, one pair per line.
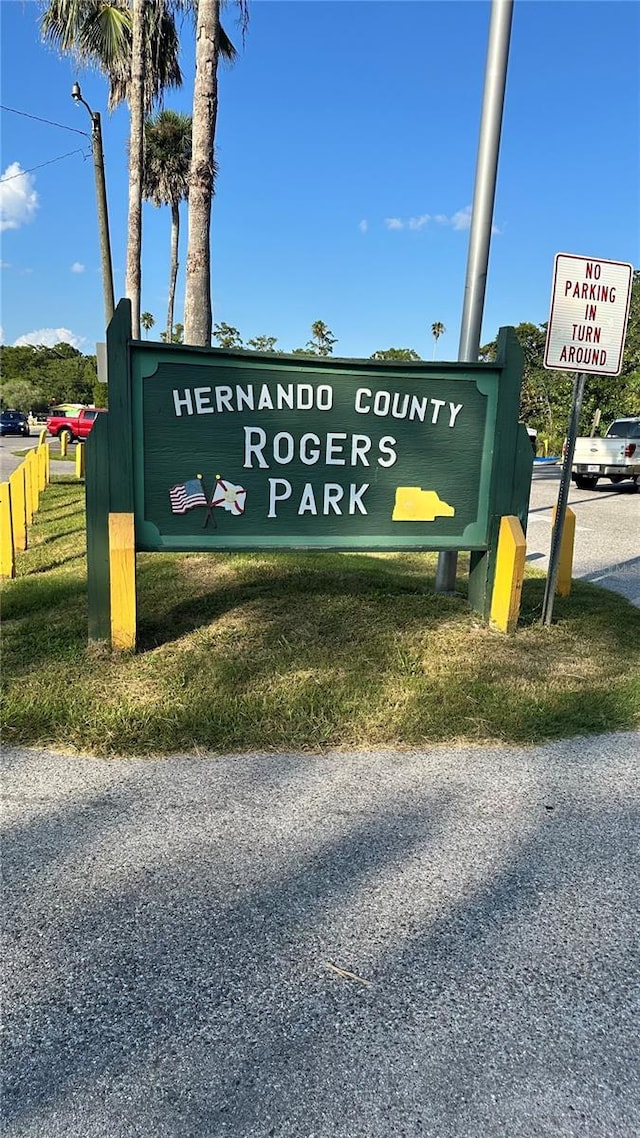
322,340
98,33
211,42
136,164
147,320
437,330
135,44
166,179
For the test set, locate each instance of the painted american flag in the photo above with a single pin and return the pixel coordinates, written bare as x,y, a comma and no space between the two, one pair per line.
185,496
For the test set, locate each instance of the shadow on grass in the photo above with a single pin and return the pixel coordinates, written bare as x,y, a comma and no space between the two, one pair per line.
183,986
208,591
307,652
57,562
53,537
50,598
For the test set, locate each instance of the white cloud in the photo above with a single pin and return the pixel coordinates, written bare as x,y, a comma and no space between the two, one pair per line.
364,225
49,337
462,219
459,220
1,334
77,267
18,199
4,265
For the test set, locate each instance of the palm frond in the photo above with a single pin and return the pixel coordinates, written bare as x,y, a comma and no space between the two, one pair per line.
98,33
225,47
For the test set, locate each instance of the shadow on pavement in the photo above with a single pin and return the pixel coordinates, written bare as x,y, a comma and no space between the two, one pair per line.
173,977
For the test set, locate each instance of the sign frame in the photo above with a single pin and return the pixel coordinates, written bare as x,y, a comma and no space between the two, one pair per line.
119,446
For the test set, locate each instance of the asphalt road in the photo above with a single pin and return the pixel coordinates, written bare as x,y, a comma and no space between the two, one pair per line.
170,926
9,445
607,541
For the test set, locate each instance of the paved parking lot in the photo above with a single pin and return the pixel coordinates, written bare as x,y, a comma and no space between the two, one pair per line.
607,546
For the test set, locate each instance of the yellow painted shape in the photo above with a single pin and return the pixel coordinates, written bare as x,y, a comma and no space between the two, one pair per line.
18,509
565,563
64,443
122,572
28,492
80,461
47,455
43,437
507,585
32,460
415,505
7,551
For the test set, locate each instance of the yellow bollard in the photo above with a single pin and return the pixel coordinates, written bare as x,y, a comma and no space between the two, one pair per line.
122,575
32,460
565,561
18,509
507,585
42,468
28,492
79,460
64,443
7,551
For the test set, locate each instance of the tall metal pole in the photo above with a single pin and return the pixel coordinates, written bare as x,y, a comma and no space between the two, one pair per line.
495,78
101,203
563,497
103,217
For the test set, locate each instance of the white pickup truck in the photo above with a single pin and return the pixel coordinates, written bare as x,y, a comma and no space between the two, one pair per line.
616,456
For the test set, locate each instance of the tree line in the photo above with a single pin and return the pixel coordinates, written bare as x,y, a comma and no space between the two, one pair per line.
34,378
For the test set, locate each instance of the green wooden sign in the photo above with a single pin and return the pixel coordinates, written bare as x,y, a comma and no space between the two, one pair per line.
215,450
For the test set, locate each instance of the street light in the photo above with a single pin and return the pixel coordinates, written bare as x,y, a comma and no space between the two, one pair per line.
101,202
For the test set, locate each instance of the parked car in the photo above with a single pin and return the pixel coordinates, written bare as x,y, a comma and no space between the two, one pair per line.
78,426
14,423
616,456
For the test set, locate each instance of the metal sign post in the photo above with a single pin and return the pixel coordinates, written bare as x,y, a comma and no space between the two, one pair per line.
495,80
563,497
587,326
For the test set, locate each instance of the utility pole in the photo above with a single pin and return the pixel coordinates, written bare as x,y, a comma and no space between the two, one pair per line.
495,79
101,203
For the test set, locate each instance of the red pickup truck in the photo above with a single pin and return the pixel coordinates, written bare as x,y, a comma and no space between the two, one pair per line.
78,425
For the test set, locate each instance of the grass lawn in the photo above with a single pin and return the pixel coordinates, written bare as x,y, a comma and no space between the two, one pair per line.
299,652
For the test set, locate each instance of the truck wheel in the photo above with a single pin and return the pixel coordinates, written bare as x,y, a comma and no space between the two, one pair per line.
585,481
616,478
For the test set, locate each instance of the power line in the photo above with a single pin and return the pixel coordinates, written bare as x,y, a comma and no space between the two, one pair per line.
49,163
47,121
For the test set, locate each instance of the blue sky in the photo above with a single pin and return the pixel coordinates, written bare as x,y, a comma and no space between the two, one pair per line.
347,139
